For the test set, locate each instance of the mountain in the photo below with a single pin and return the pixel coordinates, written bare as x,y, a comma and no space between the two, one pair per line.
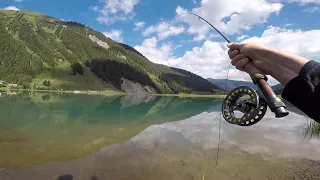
221,83
234,84
278,89
43,52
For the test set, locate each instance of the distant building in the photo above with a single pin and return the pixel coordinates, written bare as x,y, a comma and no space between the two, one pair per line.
76,92
12,85
11,93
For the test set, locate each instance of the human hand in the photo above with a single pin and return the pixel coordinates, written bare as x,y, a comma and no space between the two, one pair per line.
250,57
281,65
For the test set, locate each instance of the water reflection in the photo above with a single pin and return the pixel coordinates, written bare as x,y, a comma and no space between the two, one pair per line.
179,145
46,97
41,128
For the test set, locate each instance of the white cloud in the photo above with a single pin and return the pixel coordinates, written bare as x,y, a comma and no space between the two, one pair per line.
242,37
139,25
12,8
204,61
311,10
303,43
111,20
211,59
115,35
303,2
114,10
115,6
229,16
150,49
300,2
18,1
164,30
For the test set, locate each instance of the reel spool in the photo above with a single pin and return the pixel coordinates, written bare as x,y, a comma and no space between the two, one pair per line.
247,101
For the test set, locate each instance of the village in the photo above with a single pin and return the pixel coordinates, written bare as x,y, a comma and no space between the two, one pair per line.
6,86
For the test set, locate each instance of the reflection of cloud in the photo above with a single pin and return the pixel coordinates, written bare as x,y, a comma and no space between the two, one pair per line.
177,149
271,136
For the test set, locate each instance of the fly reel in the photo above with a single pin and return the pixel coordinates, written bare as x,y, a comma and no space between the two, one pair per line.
244,107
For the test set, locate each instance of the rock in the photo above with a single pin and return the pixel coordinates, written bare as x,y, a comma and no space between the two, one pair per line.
132,88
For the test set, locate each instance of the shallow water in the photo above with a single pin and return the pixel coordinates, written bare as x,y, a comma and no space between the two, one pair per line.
93,137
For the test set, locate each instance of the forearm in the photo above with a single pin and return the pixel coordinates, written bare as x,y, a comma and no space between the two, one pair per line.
286,65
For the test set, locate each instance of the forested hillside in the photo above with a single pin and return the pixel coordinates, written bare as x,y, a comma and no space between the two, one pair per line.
42,52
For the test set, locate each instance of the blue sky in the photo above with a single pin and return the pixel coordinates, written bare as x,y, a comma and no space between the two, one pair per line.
188,43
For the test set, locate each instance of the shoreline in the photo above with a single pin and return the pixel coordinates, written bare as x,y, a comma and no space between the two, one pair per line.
114,93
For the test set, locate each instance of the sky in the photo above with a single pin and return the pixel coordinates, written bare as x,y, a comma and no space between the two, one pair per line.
161,31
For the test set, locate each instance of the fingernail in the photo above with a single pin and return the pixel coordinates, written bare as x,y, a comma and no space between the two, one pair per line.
229,44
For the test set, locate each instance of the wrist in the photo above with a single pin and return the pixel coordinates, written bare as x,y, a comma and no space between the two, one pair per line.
287,66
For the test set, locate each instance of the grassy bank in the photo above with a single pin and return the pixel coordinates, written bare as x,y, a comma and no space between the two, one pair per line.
4,89
73,92
112,93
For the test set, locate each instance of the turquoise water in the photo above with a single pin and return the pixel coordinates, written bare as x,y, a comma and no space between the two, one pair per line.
42,128
47,136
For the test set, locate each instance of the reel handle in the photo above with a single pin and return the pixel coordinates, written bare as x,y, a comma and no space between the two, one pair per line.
275,104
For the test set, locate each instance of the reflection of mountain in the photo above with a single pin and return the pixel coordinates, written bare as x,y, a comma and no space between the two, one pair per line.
179,150
65,127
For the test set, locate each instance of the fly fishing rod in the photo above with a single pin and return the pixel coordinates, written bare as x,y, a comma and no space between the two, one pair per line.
254,107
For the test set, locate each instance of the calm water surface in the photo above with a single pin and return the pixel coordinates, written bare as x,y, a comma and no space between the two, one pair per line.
51,136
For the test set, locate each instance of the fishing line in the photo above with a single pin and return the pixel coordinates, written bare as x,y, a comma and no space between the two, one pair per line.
225,90
207,155
254,109
219,136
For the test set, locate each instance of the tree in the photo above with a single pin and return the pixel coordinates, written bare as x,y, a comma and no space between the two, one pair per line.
26,86
77,69
46,83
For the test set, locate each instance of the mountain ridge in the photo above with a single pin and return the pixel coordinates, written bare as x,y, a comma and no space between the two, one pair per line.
232,84
37,48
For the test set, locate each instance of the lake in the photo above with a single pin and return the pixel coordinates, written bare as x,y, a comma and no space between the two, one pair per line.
82,137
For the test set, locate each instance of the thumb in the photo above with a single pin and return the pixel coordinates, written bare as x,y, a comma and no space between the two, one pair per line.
235,45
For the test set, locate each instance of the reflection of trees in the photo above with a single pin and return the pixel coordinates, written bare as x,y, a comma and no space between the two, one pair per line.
46,97
71,122
163,102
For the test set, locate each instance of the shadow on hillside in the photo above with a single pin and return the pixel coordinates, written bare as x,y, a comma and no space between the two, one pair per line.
113,72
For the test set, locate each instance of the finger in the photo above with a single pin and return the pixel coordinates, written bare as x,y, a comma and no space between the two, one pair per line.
238,58
242,63
251,69
235,45
233,54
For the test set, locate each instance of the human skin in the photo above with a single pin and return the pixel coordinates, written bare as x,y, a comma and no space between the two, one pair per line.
253,58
